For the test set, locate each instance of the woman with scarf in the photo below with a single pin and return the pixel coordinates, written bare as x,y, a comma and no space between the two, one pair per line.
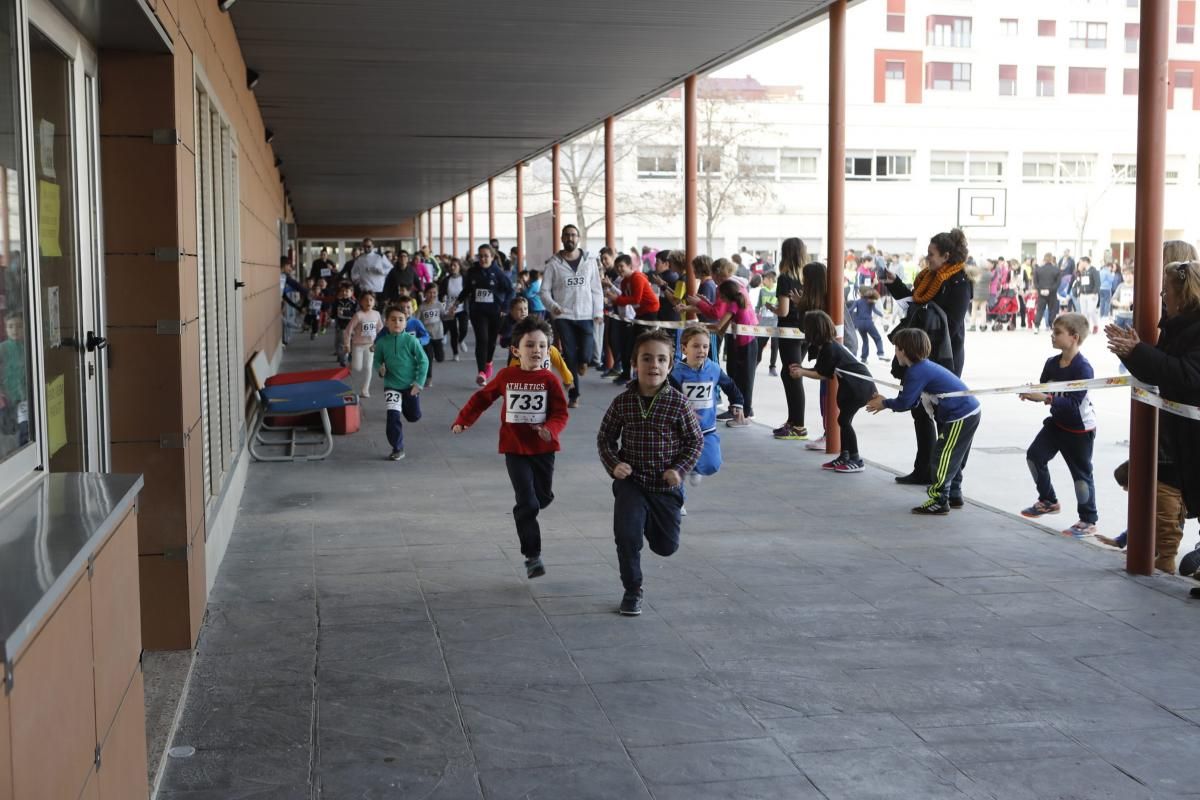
944,284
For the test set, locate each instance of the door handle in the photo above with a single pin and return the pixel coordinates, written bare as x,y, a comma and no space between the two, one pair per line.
95,342
238,284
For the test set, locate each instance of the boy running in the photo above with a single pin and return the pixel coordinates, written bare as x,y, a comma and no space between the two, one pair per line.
1070,429
533,416
648,440
402,364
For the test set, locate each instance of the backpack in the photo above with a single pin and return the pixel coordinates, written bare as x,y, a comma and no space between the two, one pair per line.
930,318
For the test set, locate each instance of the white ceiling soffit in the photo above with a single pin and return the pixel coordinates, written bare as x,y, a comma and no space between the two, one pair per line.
382,108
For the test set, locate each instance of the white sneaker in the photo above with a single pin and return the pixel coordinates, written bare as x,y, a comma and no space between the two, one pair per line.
364,393
694,478
816,444
456,356
683,511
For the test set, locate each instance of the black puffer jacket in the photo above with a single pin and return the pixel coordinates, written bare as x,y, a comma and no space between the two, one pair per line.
1174,367
954,298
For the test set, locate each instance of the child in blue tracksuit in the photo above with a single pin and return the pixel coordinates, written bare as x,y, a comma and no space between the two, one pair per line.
1070,429
957,418
862,313
701,381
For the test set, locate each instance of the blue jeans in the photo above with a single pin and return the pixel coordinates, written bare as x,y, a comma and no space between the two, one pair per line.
1105,302
1076,450
410,407
873,332
575,342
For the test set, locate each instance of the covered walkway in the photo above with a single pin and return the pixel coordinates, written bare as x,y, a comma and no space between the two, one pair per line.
371,634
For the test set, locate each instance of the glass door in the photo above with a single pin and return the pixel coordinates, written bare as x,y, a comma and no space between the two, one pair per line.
62,70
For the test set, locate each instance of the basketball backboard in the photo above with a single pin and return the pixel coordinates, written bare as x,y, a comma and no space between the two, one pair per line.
980,207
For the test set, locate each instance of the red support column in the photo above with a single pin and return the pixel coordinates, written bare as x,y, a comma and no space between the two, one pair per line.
470,219
691,163
610,188
1147,259
454,227
441,229
835,238
556,189
491,210
520,217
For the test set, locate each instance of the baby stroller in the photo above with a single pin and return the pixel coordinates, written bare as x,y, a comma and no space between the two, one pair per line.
1003,312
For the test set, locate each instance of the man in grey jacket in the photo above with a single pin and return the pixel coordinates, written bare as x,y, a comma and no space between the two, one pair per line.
574,300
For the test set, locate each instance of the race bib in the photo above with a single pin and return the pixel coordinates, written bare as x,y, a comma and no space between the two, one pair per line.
483,296
525,405
546,363
393,400
576,280
368,329
1086,280
1045,292
430,315
22,411
314,306
699,395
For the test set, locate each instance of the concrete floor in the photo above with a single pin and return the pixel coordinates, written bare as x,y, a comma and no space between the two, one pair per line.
371,635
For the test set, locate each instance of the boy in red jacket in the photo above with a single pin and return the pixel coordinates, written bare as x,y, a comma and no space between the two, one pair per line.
534,414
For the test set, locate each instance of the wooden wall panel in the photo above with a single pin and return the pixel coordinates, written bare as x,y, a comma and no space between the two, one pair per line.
116,620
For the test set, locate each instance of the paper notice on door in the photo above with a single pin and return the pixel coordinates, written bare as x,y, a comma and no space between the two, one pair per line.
53,318
48,215
46,148
56,413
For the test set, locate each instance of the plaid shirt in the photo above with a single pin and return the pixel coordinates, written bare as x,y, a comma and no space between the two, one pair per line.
653,437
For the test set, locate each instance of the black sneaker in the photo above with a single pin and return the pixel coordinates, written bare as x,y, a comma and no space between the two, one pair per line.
622,378
1195,593
631,604
724,415
534,567
397,455
912,479
957,502
932,508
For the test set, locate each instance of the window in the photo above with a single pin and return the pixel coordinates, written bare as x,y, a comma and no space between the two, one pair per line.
1133,32
893,70
1085,80
948,76
947,166
1057,168
798,164
761,161
1131,82
1185,23
1045,81
1124,170
1092,35
945,31
1047,27
986,167
657,161
870,165
1008,27
1182,79
709,160
895,16
18,427
219,261
1008,80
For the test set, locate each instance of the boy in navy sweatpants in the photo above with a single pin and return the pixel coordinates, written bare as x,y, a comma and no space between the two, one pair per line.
957,418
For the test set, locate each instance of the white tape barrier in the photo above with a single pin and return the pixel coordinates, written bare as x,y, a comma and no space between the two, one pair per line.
1143,393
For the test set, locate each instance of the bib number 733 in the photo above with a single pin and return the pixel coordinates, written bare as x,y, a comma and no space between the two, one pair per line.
525,406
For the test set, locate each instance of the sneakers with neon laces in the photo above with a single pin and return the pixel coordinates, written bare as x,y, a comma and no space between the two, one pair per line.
815,444
1080,530
850,465
832,465
1040,508
790,432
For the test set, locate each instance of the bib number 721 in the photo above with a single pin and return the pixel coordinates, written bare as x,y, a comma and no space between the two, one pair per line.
699,395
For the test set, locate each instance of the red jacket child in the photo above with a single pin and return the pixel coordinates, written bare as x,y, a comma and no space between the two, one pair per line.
532,400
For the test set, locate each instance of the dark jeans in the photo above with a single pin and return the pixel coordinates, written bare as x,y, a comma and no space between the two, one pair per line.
1047,307
950,457
639,514
458,330
793,389
742,359
873,332
486,325
410,407
762,348
532,479
436,351
1076,450
575,342
926,433
620,331
849,402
